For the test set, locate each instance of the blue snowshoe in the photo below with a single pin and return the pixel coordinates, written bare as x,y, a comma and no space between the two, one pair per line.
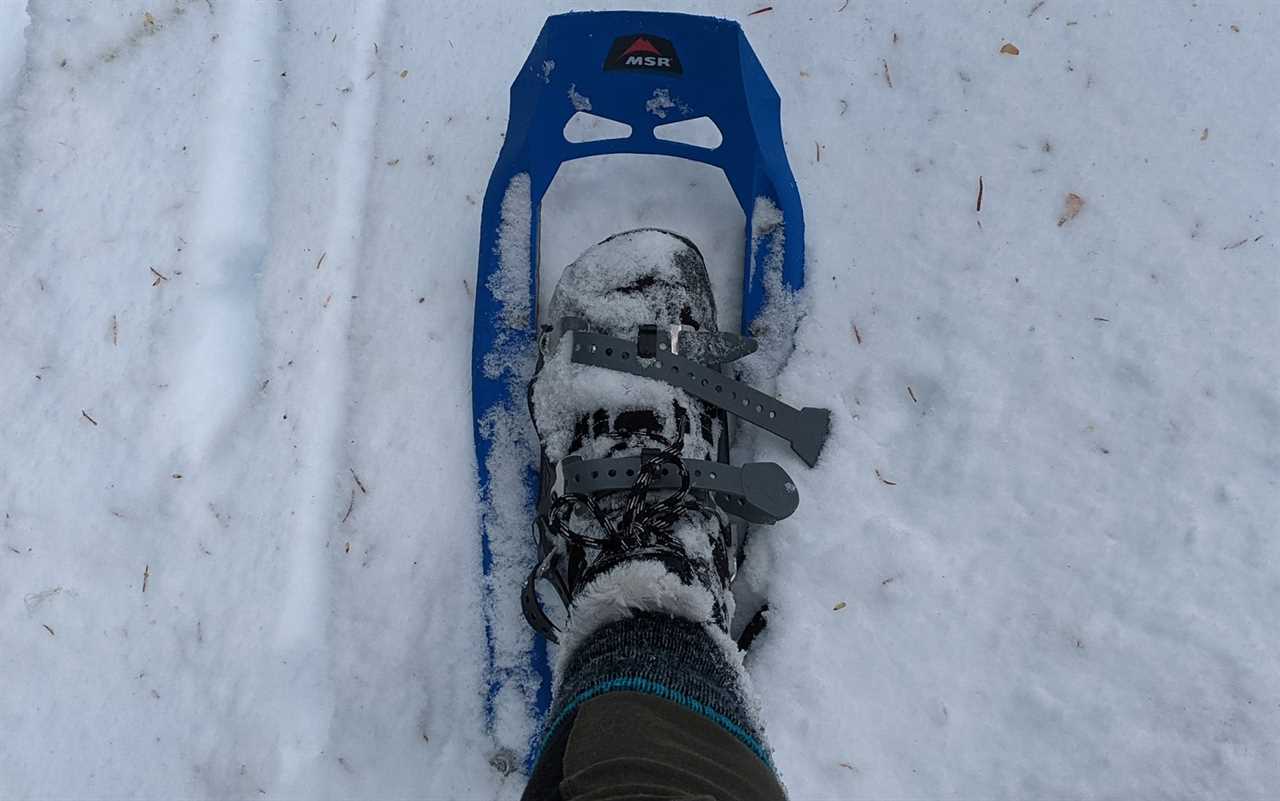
606,429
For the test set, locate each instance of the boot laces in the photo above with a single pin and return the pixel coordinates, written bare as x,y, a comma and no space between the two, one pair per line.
639,523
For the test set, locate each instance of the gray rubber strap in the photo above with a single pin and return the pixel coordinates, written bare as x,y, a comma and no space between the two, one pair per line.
806,429
758,492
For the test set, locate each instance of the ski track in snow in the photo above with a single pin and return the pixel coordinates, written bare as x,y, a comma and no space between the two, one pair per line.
214,364
304,620
238,551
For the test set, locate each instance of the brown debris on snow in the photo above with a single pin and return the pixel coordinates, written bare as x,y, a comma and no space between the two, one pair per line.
1070,208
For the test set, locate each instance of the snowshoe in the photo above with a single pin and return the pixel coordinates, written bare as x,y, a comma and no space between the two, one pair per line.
627,471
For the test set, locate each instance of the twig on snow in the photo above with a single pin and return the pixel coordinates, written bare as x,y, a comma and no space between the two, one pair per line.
350,506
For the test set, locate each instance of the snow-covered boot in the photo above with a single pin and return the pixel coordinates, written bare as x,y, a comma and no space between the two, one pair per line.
639,509
631,549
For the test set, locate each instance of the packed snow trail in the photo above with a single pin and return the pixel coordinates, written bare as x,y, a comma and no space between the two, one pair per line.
237,540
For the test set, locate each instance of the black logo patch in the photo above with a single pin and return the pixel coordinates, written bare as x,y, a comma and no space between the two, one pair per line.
640,51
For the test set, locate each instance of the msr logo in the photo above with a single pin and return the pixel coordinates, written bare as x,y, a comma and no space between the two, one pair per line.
641,51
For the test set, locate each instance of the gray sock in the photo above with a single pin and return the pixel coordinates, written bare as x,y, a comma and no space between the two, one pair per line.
660,655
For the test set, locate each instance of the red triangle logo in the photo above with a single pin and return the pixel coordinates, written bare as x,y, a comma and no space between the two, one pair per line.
641,45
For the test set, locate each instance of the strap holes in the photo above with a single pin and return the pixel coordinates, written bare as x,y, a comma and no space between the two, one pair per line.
577,348
608,351
759,408
577,476
734,395
772,414
712,474
719,388
746,401
665,471
631,472
625,355
595,473
704,382
593,348
675,368
613,473
697,473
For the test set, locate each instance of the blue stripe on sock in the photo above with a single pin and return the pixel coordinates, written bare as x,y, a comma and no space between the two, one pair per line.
636,684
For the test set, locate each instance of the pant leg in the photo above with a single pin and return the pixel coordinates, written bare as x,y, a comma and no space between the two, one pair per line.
628,746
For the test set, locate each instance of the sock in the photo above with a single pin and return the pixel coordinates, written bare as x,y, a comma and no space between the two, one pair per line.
666,656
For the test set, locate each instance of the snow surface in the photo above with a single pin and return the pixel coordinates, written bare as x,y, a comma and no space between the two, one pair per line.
1038,558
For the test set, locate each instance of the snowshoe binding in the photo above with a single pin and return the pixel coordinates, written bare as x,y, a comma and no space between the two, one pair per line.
639,508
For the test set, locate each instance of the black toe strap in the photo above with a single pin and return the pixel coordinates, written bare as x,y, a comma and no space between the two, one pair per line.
806,429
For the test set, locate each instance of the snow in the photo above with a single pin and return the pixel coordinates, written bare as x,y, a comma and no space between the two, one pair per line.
565,392
634,586
506,509
510,285
661,103
578,101
783,308
1046,513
